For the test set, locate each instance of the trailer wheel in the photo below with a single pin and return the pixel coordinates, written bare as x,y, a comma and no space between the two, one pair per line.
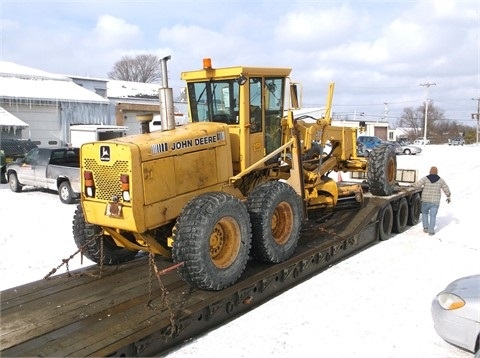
65,193
276,215
13,182
385,223
83,233
382,170
212,237
401,216
414,210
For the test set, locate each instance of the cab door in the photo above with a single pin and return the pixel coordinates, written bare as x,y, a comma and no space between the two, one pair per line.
26,169
265,111
254,131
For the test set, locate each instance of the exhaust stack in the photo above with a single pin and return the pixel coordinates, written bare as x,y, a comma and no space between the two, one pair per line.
167,112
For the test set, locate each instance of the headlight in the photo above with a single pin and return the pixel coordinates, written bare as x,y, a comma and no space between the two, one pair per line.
450,301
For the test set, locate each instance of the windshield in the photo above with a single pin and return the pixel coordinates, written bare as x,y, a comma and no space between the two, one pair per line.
214,101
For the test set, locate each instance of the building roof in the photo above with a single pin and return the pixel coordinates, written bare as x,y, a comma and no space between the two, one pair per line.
9,120
20,82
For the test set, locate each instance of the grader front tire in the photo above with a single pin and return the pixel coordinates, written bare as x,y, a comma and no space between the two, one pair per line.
382,170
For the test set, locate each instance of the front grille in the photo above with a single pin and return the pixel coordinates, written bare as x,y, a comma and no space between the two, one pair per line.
106,178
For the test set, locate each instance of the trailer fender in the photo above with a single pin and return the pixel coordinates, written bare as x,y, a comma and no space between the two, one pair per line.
385,222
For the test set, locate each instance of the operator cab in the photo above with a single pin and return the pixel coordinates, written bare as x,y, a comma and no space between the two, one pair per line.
250,100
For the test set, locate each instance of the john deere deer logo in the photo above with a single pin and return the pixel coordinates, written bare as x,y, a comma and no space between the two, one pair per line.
104,153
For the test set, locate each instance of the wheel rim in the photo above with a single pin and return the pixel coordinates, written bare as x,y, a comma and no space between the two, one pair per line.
282,221
13,183
64,193
391,171
225,242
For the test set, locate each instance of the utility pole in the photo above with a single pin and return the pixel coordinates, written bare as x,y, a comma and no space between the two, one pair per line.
477,115
385,110
427,85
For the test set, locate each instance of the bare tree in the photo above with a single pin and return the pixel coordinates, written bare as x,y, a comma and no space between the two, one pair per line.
415,120
141,68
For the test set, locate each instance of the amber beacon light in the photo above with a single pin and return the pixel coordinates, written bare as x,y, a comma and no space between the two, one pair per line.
207,63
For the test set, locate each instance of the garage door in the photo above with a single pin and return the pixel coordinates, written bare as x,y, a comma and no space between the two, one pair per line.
44,123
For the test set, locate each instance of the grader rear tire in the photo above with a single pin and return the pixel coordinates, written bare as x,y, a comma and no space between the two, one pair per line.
382,170
276,215
83,234
212,237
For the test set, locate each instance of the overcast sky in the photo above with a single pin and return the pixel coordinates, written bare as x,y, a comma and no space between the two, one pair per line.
376,52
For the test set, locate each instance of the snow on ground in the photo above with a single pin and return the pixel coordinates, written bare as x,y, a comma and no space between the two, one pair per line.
374,304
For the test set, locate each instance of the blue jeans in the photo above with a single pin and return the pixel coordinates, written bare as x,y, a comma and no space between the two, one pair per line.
429,216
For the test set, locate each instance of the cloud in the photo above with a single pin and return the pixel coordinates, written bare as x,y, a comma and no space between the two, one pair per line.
314,27
113,32
365,47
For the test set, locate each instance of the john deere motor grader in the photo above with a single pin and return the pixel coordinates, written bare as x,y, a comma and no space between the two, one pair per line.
239,180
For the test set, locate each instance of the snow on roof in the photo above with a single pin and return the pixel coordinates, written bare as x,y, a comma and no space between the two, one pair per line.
9,120
18,88
20,82
126,89
10,69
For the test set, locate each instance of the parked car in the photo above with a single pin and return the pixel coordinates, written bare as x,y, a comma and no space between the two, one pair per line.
421,141
456,141
456,313
366,143
406,149
403,141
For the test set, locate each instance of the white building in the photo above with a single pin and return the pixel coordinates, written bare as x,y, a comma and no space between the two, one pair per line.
48,103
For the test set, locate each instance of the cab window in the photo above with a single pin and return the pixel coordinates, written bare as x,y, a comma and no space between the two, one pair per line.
214,101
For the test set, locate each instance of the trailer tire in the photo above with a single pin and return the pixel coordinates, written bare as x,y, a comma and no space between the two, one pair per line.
382,170
212,237
65,193
400,218
414,210
385,223
83,234
276,214
13,183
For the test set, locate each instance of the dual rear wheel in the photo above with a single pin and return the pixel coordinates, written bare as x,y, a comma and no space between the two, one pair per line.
216,233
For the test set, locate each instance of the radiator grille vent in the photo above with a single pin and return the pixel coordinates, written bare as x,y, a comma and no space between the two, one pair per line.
106,178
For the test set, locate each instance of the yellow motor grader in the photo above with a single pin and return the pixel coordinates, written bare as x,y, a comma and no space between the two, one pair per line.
239,180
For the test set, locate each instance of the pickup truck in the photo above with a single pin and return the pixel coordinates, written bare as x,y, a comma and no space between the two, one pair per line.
55,169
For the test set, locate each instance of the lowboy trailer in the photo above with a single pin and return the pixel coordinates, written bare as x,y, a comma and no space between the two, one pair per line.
144,308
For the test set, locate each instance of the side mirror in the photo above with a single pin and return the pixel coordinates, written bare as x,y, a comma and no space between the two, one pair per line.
294,96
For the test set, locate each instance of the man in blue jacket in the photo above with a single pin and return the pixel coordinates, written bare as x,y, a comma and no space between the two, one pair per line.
432,193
